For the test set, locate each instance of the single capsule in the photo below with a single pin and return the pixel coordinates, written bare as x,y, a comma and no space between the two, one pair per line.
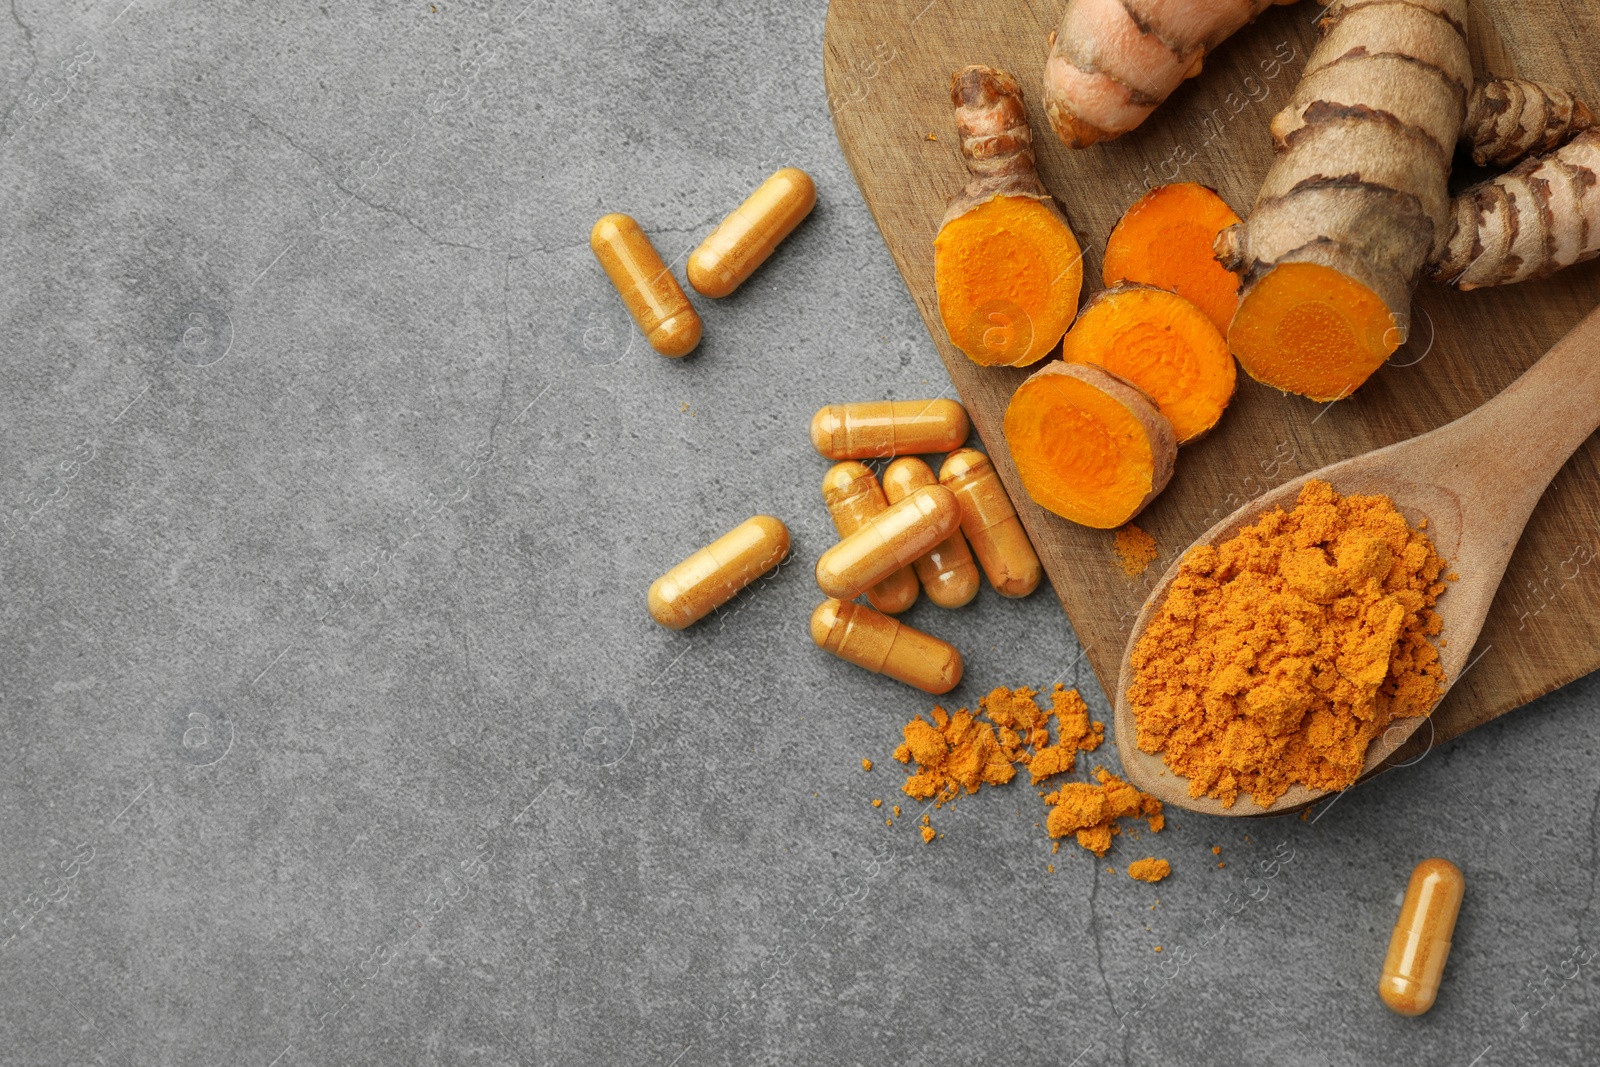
948,573
885,544
879,428
653,296
714,575
856,633
1421,940
744,240
991,523
854,499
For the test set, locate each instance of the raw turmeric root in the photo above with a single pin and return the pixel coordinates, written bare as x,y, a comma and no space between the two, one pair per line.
1088,446
1356,201
1530,222
1007,267
1165,239
1113,61
1164,345
1509,119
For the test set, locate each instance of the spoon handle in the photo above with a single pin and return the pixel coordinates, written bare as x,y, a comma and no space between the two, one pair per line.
1513,446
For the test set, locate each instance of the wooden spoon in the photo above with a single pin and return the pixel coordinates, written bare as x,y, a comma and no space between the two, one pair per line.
1476,481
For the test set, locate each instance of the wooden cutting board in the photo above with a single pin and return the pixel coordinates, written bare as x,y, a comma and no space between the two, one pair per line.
887,64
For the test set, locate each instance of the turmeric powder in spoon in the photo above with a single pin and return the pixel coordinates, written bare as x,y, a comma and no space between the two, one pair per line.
1279,654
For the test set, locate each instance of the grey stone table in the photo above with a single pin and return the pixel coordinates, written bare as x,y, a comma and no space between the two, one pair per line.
333,476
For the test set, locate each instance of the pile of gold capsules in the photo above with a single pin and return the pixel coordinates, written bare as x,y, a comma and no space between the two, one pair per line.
912,533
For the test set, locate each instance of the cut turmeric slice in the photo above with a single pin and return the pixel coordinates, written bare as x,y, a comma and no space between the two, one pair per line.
1163,344
1165,239
1088,446
1007,268
1309,329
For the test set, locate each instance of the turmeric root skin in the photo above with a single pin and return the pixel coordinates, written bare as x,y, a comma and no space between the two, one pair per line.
1528,223
1357,190
1088,446
1510,119
1112,62
1007,268
1163,344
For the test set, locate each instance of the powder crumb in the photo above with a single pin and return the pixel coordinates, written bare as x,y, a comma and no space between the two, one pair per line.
866,765
1091,812
877,802
927,834
1221,864
963,751
1216,850
1135,550
1149,869
1158,948
888,822
896,810
1050,867
1281,653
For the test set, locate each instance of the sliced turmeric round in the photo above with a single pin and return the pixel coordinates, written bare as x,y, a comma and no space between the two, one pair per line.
1165,239
1163,344
1007,268
1008,272
1088,446
1309,329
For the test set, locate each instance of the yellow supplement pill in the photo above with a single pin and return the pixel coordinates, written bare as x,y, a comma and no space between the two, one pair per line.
653,296
854,498
948,572
881,428
991,523
869,639
1421,940
744,240
885,544
714,575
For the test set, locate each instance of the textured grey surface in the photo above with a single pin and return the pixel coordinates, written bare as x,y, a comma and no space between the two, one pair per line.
333,477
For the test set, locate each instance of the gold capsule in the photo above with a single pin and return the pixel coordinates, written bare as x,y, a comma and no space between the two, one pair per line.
948,572
653,296
854,499
1421,940
714,575
991,523
744,240
859,635
880,428
885,544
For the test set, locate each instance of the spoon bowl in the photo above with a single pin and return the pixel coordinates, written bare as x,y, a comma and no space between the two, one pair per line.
1474,481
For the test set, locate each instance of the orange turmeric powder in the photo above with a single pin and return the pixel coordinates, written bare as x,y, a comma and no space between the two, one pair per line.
966,751
1149,870
1282,652
1135,550
1091,811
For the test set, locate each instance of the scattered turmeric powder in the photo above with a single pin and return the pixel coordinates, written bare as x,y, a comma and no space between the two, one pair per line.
1216,850
927,835
866,765
1281,653
1135,549
1149,870
1091,812
877,802
964,751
